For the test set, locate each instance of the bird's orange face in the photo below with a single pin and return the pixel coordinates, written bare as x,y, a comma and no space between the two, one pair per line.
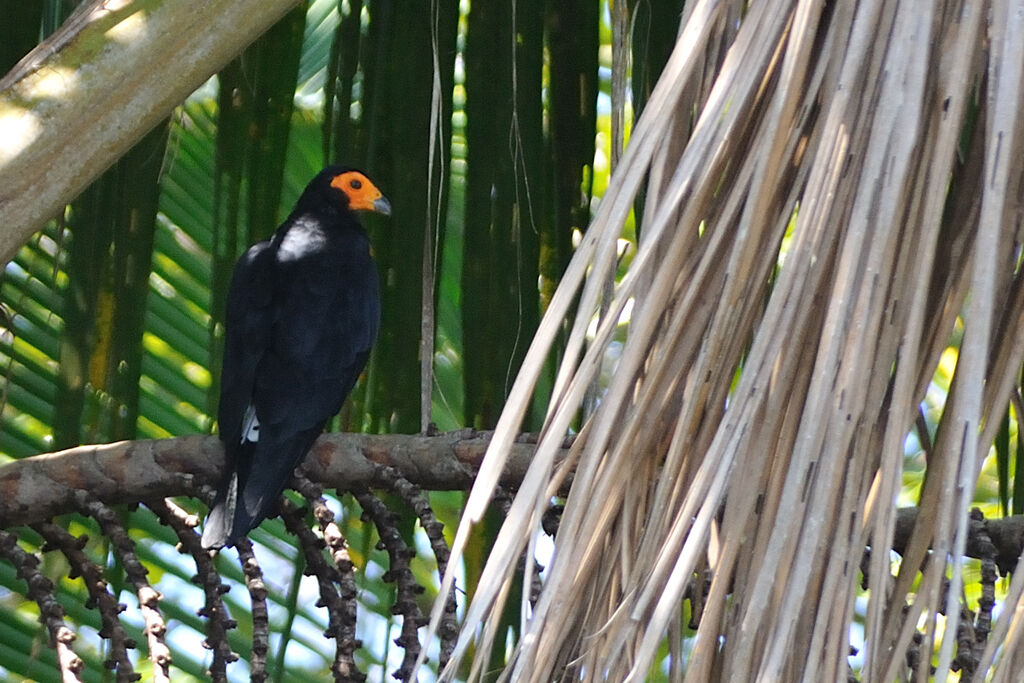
363,195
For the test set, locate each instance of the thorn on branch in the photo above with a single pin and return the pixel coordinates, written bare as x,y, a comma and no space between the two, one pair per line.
338,548
398,572
149,598
51,614
100,597
327,575
260,615
218,622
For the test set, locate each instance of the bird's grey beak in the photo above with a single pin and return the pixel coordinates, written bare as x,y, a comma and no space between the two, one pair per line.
382,205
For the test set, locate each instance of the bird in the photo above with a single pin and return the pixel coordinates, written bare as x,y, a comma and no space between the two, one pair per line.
303,311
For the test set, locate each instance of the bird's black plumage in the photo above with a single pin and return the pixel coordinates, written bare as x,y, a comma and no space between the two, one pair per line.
302,314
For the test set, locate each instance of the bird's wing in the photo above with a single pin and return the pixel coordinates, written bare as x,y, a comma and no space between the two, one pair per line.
249,326
248,332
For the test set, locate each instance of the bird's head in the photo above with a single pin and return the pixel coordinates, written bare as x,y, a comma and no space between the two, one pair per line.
351,188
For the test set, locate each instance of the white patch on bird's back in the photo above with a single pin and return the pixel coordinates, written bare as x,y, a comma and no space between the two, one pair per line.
301,239
250,425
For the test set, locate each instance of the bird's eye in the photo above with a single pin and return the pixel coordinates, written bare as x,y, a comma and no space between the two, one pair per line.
355,184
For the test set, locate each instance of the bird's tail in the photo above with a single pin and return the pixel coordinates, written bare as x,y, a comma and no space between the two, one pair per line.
218,530
251,492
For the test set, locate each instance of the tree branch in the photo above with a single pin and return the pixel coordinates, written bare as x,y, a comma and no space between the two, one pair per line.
1006,535
37,488
84,96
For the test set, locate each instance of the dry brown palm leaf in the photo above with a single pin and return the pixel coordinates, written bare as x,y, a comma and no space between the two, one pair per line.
843,124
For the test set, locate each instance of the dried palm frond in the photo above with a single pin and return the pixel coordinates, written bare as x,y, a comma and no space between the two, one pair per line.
885,136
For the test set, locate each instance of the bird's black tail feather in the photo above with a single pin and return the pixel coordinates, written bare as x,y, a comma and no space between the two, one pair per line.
260,472
218,530
229,521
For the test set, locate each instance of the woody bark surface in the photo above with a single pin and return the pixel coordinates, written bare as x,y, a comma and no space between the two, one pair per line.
34,489
78,101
